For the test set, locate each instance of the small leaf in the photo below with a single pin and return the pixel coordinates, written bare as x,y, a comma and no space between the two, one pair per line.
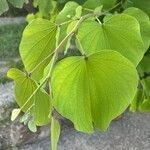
15,113
55,133
78,11
32,126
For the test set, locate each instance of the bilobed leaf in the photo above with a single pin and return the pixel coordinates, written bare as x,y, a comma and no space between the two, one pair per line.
113,34
18,3
144,22
93,89
3,6
55,133
39,103
38,41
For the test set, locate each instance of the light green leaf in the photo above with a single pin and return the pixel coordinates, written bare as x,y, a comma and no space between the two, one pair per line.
32,126
92,4
38,41
113,34
39,104
94,89
78,11
18,3
67,13
144,22
55,133
15,113
3,6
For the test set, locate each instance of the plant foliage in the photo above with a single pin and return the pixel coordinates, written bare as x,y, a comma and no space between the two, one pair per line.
109,71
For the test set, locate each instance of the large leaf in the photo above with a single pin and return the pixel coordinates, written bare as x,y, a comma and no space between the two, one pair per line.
18,3
38,41
93,89
24,87
113,34
92,4
144,22
3,6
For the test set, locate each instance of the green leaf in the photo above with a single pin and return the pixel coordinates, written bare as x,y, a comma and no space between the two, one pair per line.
146,86
145,106
55,133
142,4
137,100
32,126
78,12
45,7
67,13
113,34
38,41
143,67
3,6
18,3
15,113
144,22
92,4
39,104
94,89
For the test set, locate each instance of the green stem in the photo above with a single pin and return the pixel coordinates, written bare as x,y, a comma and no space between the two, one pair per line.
56,51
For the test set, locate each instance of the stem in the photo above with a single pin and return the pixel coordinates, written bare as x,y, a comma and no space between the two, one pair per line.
80,45
56,51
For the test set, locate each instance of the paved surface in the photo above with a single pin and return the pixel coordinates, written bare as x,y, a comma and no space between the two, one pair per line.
131,132
5,21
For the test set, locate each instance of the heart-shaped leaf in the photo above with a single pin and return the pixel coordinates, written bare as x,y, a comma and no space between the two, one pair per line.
119,32
93,89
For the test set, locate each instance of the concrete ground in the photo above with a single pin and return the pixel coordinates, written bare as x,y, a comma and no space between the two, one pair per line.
131,132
